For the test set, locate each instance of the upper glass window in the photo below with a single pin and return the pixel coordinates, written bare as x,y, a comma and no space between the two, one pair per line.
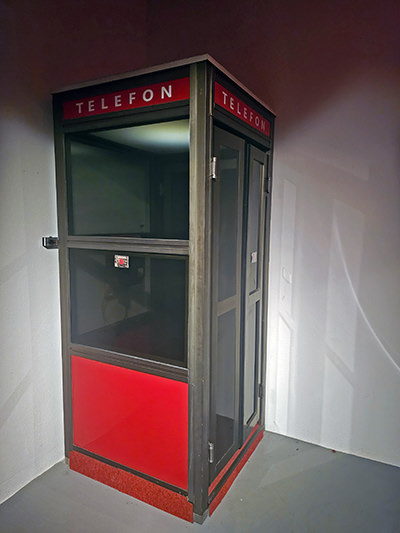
130,181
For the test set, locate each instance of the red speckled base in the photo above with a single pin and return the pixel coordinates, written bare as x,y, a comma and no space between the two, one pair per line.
217,500
146,491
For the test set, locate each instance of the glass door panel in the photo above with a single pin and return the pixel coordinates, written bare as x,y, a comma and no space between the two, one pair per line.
226,282
226,392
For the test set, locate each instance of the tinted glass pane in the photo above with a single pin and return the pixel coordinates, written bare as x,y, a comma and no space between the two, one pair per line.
225,379
253,227
130,181
250,362
228,222
139,310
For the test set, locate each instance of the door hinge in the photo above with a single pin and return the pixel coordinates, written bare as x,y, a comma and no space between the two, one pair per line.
261,391
213,168
210,452
267,184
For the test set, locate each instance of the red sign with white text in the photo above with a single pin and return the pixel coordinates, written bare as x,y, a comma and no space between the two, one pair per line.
158,93
237,107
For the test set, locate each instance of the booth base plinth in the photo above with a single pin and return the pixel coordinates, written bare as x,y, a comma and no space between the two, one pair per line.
128,483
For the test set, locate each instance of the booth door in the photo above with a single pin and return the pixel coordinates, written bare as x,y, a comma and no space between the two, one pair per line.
226,297
253,278
237,287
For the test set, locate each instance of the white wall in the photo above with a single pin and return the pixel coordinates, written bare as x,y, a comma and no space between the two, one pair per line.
334,361
331,72
31,437
42,47
30,387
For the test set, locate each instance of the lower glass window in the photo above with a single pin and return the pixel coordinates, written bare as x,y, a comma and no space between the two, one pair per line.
129,303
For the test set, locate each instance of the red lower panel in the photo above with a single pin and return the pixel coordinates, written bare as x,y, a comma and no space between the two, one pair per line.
128,483
217,500
135,419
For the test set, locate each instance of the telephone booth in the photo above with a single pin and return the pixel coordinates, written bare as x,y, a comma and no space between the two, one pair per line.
163,187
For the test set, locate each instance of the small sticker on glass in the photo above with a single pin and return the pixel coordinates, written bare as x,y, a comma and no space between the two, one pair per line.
121,261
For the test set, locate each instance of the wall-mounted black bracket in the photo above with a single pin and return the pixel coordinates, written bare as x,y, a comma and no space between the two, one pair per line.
50,242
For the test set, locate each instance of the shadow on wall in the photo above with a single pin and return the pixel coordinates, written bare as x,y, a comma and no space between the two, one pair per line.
293,55
49,45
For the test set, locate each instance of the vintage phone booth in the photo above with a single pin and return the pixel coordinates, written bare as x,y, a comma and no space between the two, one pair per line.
163,186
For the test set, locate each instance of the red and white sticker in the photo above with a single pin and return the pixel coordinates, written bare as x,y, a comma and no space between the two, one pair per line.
239,109
148,95
121,261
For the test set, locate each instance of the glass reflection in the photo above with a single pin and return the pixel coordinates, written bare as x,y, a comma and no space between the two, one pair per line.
139,310
130,181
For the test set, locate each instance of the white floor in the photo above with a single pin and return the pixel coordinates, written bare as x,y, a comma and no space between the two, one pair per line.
287,487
